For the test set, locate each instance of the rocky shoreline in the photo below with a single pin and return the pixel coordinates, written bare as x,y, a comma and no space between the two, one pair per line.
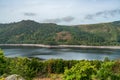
60,46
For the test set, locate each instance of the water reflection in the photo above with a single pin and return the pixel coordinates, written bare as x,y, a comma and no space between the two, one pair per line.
67,54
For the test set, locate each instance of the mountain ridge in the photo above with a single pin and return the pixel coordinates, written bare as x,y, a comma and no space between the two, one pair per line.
31,32
116,21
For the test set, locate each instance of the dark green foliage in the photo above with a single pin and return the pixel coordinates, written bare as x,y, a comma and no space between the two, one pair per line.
31,32
59,65
96,63
2,63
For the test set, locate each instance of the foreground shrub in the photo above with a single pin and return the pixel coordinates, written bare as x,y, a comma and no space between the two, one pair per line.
81,71
25,67
2,63
58,65
107,71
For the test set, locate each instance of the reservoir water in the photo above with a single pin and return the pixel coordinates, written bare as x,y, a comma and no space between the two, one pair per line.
67,53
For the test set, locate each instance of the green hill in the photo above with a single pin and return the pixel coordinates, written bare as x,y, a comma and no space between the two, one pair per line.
31,32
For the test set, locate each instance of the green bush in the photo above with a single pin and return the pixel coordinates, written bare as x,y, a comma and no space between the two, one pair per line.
81,71
106,72
2,63
24,67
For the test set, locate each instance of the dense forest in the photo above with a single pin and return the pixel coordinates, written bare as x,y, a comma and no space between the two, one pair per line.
31,32
30,68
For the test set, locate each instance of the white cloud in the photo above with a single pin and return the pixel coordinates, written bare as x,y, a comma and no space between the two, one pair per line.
54,9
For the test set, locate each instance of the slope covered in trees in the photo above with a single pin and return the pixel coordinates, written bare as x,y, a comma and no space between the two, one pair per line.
28,31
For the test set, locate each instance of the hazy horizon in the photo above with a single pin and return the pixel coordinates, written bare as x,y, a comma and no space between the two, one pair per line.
63,12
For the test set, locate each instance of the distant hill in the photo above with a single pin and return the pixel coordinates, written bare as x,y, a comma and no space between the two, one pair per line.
31,32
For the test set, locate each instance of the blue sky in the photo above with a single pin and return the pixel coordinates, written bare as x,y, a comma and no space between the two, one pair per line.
65,12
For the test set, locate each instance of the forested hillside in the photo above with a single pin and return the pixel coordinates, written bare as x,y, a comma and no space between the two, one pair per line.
31,32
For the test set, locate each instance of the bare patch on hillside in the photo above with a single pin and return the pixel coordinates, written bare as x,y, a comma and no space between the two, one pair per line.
64,35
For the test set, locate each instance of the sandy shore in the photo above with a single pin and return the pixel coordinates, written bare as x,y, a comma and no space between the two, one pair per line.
62,46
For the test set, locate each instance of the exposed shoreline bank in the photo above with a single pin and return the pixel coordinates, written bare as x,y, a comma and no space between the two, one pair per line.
61,46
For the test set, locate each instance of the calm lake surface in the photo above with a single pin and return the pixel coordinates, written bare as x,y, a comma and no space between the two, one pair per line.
67,53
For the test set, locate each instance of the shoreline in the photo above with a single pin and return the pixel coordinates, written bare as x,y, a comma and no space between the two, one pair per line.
60,46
